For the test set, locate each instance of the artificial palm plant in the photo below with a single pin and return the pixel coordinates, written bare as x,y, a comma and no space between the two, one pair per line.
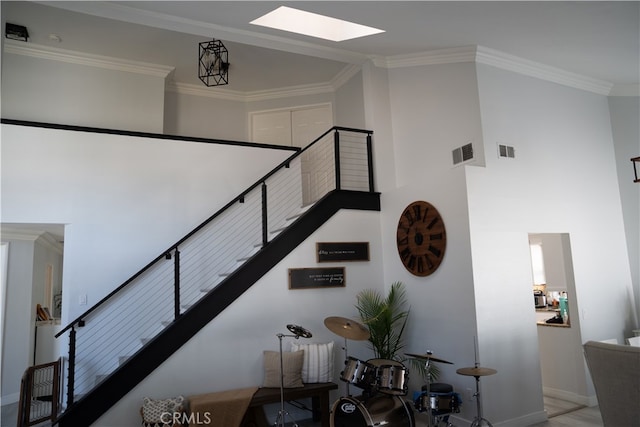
386,319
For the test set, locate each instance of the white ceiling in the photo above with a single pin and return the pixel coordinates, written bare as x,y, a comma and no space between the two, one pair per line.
599,40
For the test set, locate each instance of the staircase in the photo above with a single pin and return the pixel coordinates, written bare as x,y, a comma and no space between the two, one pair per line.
118,342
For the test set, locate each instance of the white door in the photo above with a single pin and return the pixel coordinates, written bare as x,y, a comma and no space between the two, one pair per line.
299,127
317,175
271,127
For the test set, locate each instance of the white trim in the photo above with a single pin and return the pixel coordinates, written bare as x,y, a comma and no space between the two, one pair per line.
10,398
80,58
432,57
495,58
44,238
570,396
545,72
263,95
473,54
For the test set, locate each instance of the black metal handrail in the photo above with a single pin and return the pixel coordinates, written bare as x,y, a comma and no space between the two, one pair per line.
174,252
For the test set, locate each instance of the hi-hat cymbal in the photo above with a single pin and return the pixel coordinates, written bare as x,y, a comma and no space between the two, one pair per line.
429,356
476,371
347,328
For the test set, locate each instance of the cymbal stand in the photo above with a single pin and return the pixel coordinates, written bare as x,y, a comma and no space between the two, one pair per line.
477,421
346,355
298,332
427,367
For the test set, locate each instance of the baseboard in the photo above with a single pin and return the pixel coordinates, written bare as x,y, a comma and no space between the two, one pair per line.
525,420
570,396
10,398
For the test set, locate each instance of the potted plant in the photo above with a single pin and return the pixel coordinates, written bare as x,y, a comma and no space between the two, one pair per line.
386,319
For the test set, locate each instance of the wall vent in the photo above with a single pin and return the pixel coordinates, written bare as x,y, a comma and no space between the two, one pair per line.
462,154
506,151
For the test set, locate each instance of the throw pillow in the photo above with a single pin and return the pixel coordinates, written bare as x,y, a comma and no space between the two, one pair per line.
292,367
160,411
318,362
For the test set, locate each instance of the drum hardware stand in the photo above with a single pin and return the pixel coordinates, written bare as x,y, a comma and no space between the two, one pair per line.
346,354
477,372
298,331
477,421
427,367
429,357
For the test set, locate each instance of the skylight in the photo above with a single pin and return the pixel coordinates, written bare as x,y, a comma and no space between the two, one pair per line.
314,25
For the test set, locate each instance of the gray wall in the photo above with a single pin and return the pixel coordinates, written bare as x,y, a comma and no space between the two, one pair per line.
625,112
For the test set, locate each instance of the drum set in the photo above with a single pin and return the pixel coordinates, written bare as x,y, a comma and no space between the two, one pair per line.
383,383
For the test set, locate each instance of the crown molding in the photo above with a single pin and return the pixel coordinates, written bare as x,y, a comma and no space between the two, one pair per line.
432,57
474,54
260,95
80,58
495,58
541,71
43,238
263,95
163,71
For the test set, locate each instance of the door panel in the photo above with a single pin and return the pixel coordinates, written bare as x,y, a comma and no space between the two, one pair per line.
300,127
271,128
307,125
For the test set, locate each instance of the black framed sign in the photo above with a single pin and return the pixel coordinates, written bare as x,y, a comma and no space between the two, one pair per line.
320,277
342,251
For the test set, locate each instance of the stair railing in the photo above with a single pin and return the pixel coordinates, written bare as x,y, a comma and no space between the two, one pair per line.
123,321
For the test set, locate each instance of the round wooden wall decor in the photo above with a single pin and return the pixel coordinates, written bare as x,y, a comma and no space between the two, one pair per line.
421,238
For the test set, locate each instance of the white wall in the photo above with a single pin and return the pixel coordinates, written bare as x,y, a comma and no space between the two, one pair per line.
563,180
111,189
17,340
433,110
349,108
205,117
80,95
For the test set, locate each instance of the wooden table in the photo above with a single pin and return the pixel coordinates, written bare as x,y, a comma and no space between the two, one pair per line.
319,394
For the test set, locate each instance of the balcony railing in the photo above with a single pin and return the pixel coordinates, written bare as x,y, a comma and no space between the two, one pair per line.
121,323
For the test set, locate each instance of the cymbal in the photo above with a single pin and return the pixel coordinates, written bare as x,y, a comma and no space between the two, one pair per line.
476,371
347,328
429,356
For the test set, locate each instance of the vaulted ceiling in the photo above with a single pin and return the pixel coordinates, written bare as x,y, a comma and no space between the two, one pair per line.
597,40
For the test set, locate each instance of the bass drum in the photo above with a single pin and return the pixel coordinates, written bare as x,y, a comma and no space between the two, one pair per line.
387,410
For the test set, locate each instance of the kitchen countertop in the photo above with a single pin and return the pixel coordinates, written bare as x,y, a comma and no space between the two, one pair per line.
556,325
542,314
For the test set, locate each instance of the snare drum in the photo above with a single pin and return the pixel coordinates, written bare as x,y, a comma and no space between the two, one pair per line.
391,376
359,373
440,400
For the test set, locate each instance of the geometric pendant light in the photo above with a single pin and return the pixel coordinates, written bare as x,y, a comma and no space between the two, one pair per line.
213,63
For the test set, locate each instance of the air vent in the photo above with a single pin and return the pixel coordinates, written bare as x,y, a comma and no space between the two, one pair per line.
462,154
506,151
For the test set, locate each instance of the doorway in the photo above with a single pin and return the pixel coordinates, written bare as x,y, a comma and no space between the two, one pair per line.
33,273
559,344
